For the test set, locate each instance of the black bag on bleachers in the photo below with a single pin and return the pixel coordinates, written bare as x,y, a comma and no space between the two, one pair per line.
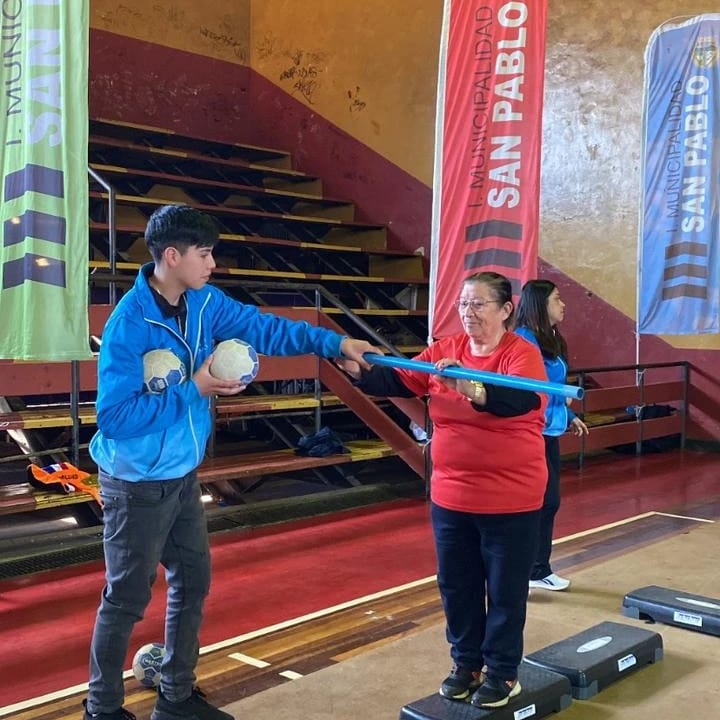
652,445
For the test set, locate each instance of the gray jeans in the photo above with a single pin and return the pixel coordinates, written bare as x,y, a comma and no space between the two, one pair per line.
147,523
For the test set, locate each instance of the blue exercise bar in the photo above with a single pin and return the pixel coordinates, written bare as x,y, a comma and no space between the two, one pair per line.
461,373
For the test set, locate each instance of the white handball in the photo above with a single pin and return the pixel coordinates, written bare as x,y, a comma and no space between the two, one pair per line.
235,360
147,663
162,368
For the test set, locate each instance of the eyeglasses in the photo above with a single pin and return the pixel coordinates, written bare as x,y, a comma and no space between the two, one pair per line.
475,306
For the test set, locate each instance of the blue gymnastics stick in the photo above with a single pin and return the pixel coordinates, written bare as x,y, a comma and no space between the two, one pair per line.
461,373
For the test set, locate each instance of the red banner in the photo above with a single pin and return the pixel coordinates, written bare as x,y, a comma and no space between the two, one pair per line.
487,152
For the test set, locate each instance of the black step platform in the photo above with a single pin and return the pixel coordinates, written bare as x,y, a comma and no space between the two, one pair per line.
600,655
543,692
674,607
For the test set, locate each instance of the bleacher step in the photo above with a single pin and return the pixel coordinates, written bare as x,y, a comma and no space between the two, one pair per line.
160,138
22,497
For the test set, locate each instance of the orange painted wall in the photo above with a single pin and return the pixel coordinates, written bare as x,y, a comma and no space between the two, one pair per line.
368,67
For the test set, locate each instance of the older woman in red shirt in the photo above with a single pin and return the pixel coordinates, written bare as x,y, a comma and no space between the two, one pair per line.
488,482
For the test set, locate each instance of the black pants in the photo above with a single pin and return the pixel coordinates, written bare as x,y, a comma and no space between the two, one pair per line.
483,566
551,503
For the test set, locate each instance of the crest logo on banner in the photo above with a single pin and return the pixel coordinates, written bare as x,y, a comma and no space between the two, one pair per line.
487,148
678,257
705,54
43,161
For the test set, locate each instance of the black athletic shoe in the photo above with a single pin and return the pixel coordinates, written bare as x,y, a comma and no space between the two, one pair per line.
495,693
120,714
461,682
196,707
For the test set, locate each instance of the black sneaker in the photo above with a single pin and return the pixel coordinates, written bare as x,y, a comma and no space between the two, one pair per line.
461,682
495,693
196,707
121,714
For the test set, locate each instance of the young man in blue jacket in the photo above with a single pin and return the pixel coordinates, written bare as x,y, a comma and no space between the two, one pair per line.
149,445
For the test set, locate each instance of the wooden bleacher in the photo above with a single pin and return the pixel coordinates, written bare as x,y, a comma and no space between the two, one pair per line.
159,138
604,409
121,152
365,235
279,237
276,223
281,461
234,274
22,497
30,380
260,198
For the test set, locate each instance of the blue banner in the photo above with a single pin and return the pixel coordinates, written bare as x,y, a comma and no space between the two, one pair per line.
679,261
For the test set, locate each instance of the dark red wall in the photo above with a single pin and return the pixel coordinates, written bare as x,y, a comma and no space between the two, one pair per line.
149,84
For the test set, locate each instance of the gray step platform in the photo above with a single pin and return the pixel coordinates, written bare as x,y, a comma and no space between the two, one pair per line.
600,655
543,692
674,607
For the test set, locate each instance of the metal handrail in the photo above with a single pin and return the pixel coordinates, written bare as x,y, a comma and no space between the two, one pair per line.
312,287
640,370
637,366
320,292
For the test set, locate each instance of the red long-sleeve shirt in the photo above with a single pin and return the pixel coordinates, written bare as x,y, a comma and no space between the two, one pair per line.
483,463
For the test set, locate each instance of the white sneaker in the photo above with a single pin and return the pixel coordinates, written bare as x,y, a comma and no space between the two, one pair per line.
551,582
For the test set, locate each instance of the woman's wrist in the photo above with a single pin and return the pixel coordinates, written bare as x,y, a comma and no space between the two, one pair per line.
478,394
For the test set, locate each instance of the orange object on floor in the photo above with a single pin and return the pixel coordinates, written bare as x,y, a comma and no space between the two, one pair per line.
66,478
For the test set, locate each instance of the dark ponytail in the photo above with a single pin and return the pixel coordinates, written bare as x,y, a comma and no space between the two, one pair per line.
532,313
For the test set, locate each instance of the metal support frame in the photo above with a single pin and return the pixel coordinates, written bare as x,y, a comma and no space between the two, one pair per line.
75,410
640,370
320,293
112,232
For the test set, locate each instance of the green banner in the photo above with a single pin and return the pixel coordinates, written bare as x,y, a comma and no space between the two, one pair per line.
44,164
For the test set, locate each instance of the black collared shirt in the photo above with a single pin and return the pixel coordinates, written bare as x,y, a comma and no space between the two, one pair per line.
178,311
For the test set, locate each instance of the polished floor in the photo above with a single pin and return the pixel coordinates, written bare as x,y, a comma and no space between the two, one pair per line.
321,590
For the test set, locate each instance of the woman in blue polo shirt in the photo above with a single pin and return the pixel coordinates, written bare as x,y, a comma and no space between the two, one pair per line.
539,312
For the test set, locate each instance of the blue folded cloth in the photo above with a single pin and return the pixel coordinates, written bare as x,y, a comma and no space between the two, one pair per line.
321,444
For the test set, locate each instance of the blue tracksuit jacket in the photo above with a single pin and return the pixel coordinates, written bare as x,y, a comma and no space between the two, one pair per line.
558,415
145,436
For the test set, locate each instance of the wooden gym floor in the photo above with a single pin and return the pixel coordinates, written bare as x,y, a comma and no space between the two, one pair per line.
305,598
